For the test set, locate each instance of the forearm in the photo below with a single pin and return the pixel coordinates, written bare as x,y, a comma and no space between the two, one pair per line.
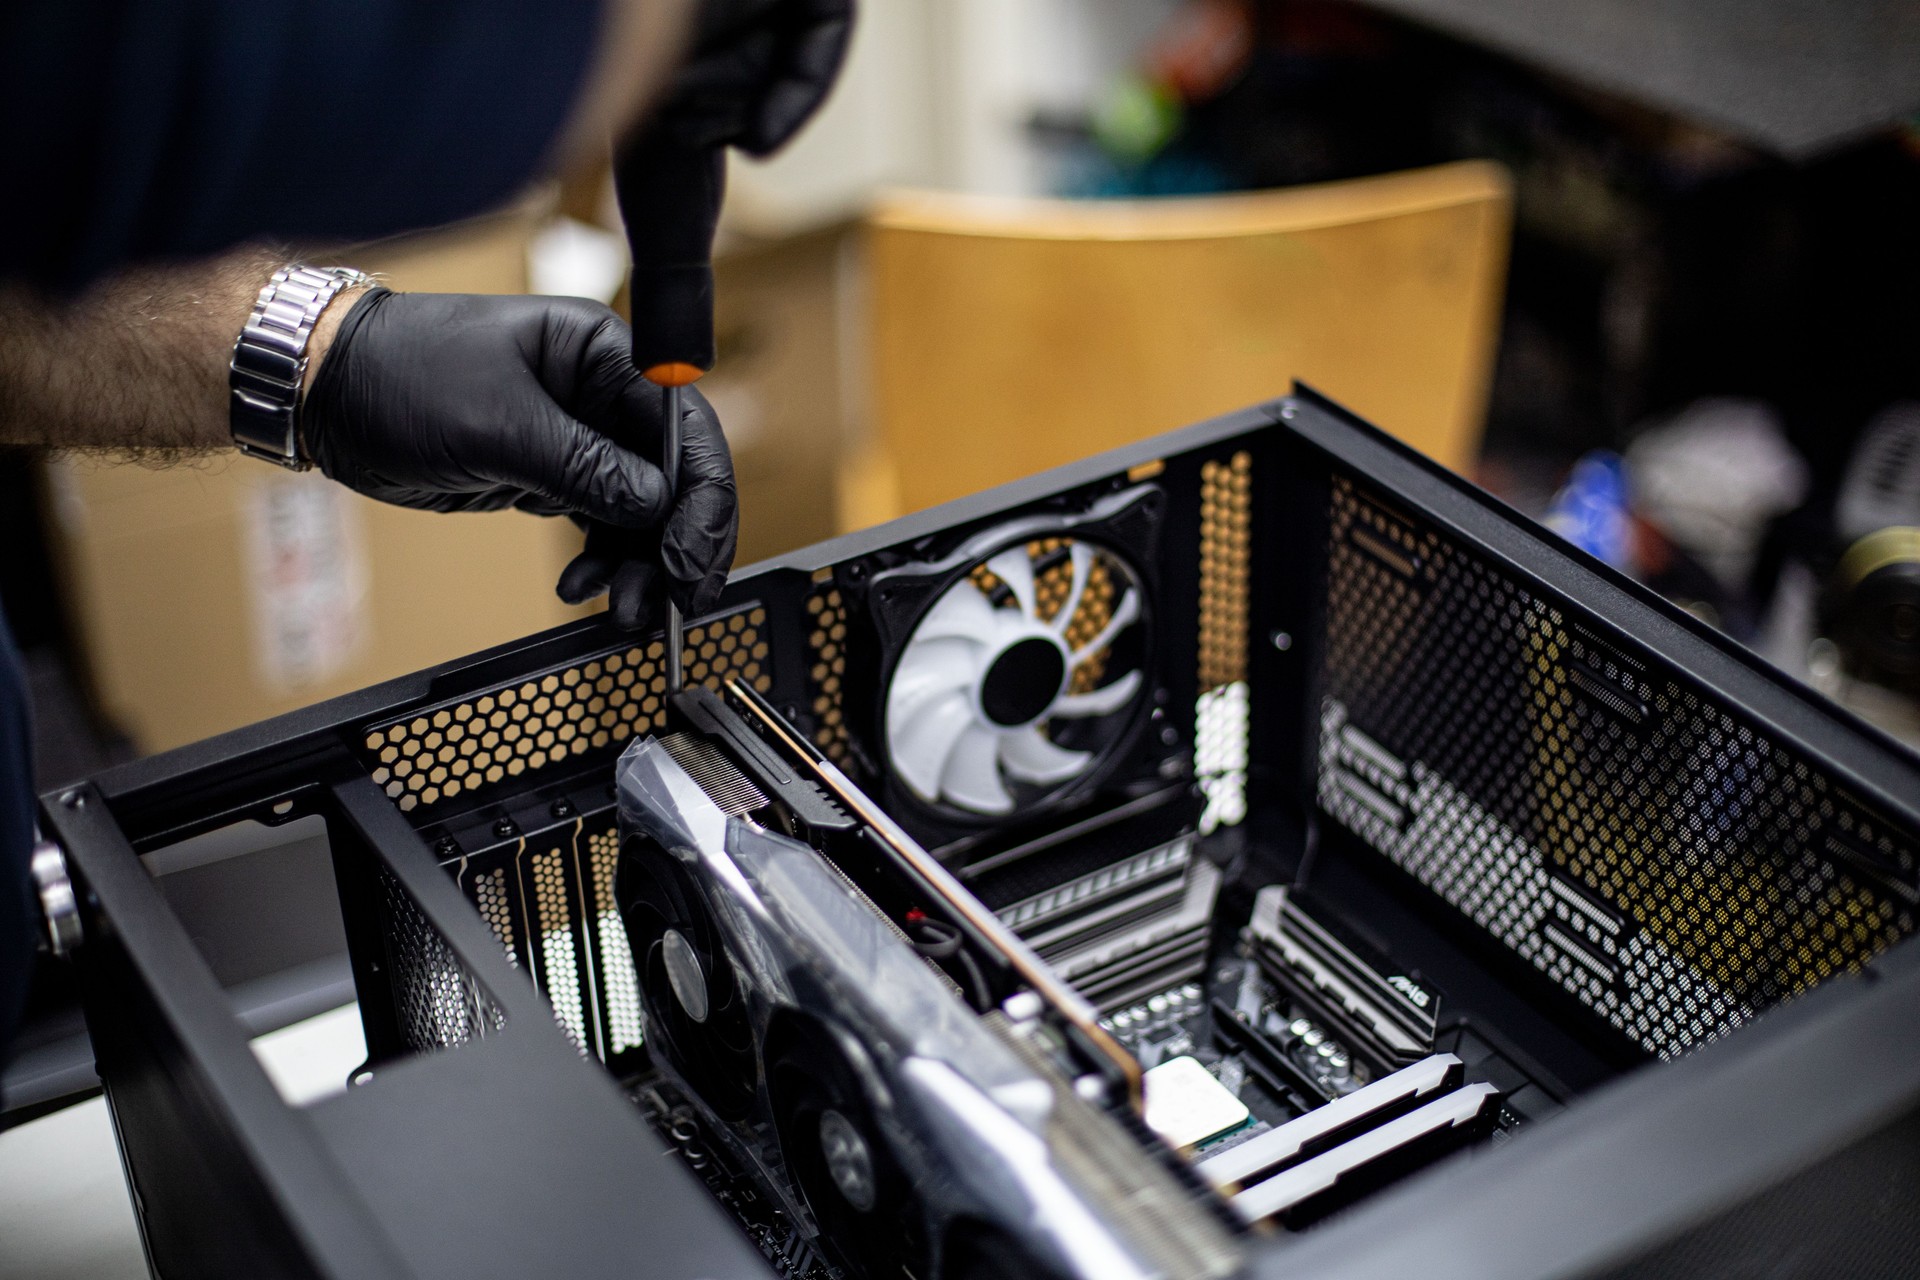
137,364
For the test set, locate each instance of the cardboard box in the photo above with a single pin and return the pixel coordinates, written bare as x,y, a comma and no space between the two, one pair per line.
781,384
215,593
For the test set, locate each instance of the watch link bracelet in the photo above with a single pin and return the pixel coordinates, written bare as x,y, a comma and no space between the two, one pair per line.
267,375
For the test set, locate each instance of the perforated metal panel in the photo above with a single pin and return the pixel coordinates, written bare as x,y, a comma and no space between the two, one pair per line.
439,1002
520,728
490,895
549,898
1221,712
826,648
1646,847
559,958
619,984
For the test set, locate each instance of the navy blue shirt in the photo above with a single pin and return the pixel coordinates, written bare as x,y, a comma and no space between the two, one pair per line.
143,130
17,918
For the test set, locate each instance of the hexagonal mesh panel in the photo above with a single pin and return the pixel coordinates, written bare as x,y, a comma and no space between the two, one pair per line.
507,732
1226,566
1656,855
827,665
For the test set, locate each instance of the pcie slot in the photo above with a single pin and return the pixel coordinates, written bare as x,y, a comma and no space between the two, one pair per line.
1165,964
1295,950
1164,949
1291,1187
1130,875
1278,1146
1112,919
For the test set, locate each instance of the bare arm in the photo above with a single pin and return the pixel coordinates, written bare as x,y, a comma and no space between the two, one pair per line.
138,363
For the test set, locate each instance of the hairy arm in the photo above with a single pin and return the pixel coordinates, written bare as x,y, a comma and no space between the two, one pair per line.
138,363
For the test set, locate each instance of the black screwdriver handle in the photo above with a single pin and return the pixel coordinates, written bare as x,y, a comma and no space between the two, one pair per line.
670,199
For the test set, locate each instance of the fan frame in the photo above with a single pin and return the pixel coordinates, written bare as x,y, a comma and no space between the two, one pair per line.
1125,525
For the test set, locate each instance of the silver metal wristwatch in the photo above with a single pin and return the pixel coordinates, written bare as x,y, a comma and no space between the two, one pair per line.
268,372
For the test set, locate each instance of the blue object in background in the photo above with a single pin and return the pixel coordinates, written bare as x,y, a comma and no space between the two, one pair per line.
1591,510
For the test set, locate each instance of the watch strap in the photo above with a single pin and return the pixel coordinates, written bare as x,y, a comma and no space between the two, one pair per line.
267,375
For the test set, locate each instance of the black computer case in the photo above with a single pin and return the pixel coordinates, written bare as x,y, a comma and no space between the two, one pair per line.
1669,888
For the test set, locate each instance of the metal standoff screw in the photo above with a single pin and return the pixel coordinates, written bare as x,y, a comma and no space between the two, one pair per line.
505,828
58,905
561,808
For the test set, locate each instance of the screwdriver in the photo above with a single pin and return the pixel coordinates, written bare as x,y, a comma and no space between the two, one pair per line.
670,200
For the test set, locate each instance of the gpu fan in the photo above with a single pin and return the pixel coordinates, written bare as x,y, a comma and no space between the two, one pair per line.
699,1016
1016,665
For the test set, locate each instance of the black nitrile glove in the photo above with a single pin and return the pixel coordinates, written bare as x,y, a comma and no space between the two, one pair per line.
467,402
758,70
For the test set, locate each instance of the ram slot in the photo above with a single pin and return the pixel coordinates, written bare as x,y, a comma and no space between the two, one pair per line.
1393,1018
1291,1188
1374,1104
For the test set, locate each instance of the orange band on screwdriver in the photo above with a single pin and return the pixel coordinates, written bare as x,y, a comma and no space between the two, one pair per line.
674,374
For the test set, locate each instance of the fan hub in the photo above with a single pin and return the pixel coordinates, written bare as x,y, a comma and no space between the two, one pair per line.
1022,680
684,974
849,1162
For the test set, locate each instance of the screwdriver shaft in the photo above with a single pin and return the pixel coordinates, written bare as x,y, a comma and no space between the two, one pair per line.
675,624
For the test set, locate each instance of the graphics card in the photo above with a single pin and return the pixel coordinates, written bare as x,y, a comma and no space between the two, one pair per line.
922,1106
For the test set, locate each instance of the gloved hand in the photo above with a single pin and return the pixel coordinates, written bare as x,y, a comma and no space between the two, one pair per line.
463,402
757,71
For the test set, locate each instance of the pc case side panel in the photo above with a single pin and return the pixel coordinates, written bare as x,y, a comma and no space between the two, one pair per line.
225,1179
1444,610
495,1147
1664,828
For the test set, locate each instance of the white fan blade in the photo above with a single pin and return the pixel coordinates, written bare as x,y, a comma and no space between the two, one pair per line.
1029,757
1082,566
964,611
928,669
1123,617
1014,568
972,775
1100,702
923,744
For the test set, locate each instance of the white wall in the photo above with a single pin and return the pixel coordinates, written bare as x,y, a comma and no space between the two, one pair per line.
938,93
